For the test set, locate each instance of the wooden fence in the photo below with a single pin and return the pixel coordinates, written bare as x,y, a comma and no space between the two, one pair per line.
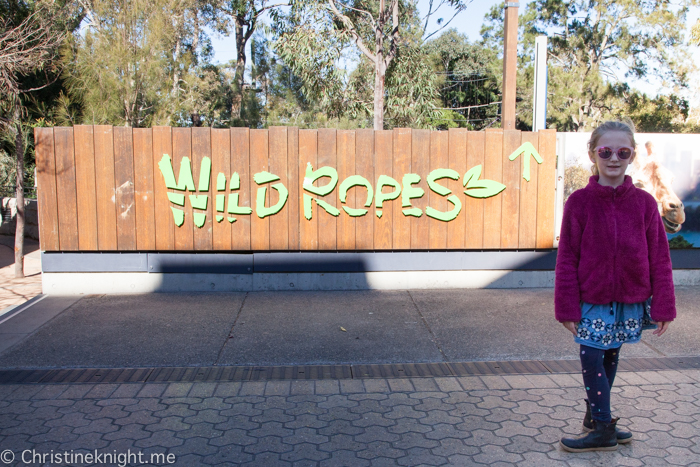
101,188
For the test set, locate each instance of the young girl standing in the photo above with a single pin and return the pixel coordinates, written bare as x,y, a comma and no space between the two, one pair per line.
613,256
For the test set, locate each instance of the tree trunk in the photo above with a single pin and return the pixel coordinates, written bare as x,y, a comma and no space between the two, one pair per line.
237,103
379,75
19,195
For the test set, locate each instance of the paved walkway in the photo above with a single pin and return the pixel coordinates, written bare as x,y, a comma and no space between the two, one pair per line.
462,421
17,291
487,420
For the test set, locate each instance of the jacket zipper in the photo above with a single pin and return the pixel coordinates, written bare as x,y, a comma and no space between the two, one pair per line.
614,212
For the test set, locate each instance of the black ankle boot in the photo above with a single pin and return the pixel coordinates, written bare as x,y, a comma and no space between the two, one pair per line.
623,437
602,438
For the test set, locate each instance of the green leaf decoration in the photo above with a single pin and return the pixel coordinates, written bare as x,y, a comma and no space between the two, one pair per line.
480,188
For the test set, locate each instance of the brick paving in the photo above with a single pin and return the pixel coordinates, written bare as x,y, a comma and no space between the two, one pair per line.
486,420
17,291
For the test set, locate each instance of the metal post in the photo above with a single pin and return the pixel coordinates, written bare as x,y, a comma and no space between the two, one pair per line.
539,101
510,57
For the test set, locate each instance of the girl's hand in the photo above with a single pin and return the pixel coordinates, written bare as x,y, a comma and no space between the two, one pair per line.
571,326
662,327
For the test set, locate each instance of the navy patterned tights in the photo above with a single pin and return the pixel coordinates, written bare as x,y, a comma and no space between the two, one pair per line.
599,368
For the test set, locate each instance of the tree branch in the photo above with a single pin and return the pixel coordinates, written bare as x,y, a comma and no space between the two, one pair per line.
395,36
347,22
459,10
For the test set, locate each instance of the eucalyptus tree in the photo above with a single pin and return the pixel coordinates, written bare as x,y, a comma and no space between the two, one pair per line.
596,43
314,36
244,17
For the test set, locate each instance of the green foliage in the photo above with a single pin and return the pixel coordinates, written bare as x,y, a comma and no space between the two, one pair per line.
575,178
312,42
29,91
468,79
118,72
678,242
411,90
661,114
593,45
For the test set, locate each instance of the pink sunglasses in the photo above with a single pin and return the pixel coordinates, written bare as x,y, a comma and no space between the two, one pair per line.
622,152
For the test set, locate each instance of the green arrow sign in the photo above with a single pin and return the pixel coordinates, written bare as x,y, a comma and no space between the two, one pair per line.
527,149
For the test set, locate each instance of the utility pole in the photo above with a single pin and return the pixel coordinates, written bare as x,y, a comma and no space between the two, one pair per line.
510,57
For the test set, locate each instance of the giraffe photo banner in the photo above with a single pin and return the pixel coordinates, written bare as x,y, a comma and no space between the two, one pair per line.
104,188
666,165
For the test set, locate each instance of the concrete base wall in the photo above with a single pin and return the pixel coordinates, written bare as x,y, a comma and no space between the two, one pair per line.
139,282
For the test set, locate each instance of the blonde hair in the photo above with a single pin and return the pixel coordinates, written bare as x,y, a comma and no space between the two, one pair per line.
611,125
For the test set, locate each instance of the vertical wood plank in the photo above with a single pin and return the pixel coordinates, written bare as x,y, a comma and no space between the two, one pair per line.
493,170
527,229
259,151
104,184
182,147
85,186
327,155
308,150
279,223
474,207
201,148
420,164
401,225
457,149
164,223
364,166
240,163
46,186
439,159
510,214
346,168
293,215
66,190
124,188
144,189
383,146
546,183
220,163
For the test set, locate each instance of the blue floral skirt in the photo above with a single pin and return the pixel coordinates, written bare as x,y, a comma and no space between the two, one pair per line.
610,325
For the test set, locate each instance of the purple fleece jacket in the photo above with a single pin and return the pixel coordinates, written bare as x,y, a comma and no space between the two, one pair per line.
613,247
